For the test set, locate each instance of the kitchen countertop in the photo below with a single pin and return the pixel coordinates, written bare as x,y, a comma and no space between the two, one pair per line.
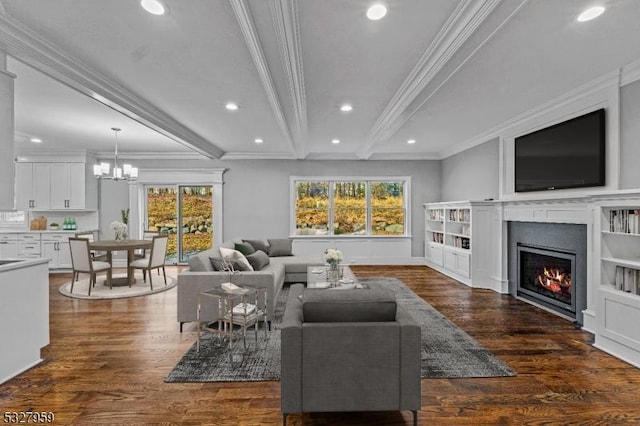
19,263
47,231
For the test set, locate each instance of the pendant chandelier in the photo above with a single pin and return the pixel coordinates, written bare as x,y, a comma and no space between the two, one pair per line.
127,172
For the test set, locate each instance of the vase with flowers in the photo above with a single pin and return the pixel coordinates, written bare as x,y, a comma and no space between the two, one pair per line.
333,257
120,230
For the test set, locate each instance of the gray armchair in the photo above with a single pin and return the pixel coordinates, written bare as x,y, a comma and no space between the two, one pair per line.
348,350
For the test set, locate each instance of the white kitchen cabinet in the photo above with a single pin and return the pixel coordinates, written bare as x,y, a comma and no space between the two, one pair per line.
55,247
32,186
8,246
68,186
55,186
29,246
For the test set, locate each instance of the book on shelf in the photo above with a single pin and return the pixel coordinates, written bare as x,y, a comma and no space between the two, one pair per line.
627,280
626,221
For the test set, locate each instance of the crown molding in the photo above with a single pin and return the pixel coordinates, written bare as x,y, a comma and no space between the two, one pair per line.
29,47
287,29
252,39
178,155
630,73
462,23
258,156
404,156
609,81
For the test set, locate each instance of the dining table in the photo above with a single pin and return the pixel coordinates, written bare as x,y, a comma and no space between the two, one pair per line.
130,246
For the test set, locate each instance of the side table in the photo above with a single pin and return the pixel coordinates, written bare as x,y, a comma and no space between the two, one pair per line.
244,307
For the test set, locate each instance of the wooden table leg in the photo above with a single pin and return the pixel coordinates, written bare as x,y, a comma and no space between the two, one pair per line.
130,271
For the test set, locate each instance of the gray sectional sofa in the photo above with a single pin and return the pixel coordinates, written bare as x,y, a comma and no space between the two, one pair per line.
283,267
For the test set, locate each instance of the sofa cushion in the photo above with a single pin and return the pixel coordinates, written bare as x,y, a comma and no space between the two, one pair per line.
357,305
258,260
244,248
231,255
259,245
280,247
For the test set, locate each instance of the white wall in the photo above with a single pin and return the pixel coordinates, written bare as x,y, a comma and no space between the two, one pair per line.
112,198
630,136
472,174
256,192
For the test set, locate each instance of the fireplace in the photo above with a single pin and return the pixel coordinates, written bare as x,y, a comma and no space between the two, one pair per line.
547,266
546,276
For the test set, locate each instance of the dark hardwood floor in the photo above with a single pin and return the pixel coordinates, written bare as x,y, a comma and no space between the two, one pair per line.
108,358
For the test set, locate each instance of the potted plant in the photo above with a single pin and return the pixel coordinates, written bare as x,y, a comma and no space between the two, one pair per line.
54,225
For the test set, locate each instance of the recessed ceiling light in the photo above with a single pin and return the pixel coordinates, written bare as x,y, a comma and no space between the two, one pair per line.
231,106
346,108
377,11
258,140
591,13
411,141
335,141
36,140
154,7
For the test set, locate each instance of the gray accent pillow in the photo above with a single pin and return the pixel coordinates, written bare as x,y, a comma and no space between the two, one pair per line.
219,264
244,248
358,305
280,247
258,260
259,245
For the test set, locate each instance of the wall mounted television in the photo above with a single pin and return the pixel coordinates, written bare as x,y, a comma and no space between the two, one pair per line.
570,154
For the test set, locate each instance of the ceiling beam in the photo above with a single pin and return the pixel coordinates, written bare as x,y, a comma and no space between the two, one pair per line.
29,47
287,29
252,39
462,23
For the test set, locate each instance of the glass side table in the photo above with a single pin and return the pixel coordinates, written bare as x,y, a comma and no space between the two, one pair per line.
244,308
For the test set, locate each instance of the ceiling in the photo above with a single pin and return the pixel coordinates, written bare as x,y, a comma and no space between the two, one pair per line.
440,72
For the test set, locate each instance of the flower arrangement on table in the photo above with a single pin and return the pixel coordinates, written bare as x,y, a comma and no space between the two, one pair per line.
120,230
333,257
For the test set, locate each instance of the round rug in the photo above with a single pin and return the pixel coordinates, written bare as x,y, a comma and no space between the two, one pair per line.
101,291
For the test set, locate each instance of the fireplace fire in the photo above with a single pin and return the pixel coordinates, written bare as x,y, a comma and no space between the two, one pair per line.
545,277
555,280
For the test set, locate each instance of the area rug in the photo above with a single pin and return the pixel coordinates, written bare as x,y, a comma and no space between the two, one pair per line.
101,291
447,351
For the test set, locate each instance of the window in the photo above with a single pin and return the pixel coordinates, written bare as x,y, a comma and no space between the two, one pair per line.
350,206
13,218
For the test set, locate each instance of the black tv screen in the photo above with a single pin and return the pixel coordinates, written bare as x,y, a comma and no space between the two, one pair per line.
570,154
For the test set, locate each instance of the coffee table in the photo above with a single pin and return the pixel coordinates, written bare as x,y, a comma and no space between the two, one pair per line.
317,278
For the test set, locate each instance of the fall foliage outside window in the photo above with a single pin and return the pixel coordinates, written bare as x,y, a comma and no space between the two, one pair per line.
196,217
350,207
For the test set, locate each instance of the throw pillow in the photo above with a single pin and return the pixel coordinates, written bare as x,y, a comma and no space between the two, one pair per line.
280,247
231,255
219,264
244,248
259,245
258,260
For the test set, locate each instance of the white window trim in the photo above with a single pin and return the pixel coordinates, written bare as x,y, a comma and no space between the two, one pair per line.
406,204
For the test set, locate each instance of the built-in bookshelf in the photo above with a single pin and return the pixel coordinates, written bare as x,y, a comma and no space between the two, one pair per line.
449,232
618,296
620,248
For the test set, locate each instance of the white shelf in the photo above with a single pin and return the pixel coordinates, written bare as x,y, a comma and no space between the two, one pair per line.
620,233
618,306
629,263
459,235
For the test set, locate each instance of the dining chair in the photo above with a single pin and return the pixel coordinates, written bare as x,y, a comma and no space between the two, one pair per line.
82,263
155,260
89,235
146,235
